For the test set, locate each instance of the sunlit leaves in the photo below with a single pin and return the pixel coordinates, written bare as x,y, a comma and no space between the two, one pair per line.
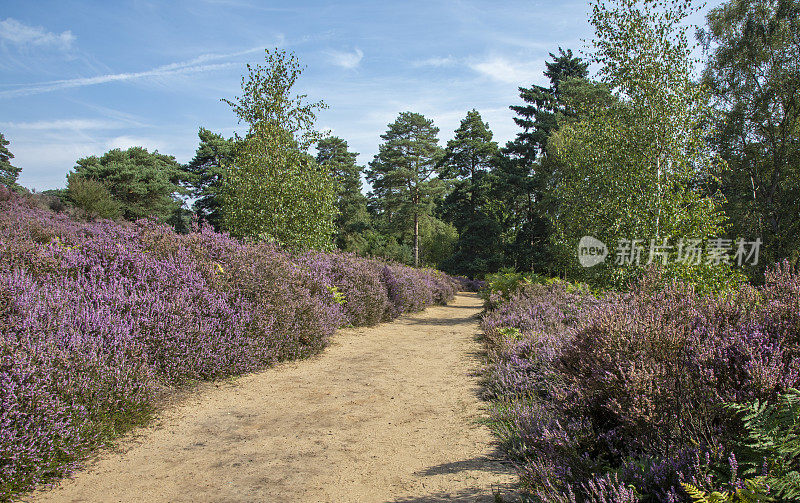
273,189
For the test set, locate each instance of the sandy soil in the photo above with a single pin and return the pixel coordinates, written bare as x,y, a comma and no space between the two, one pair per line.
385,414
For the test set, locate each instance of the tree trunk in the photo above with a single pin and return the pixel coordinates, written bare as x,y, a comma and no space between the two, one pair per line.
416,240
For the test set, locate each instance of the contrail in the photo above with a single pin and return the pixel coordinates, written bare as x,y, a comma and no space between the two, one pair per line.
192,66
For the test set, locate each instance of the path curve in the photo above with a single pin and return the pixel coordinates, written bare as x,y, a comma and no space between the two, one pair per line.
385,414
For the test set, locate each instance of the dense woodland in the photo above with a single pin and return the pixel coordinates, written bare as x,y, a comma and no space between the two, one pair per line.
646,148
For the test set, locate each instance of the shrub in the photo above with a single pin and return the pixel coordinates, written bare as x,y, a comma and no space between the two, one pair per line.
97,320
92,198
635,385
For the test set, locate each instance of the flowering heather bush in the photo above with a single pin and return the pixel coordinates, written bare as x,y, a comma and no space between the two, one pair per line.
623,397
412,290
97,320
470,285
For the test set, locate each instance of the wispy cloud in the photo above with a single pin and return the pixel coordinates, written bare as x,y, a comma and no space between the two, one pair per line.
62,124
23,35
508,71
438,61
348,60
198,64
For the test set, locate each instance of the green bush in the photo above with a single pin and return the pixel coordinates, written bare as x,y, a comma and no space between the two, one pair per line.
92,198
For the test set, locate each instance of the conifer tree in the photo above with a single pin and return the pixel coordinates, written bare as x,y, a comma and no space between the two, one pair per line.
213,153
145,184
467,160
352,218
403,172
8,172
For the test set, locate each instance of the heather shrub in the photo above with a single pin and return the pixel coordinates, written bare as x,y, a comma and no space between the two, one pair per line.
365,297
636,385
412,290
469,285
100,319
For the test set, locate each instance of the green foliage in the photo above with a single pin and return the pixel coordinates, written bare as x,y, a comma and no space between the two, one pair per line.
753,70
753,492
338,297
538,117
771,445
634,161
92,198
706,279
8,172
213,153
386,245
507,282
523,177
267,105
471,150
467,161
438,239
511,333
352,218
403,174
144,184
274,190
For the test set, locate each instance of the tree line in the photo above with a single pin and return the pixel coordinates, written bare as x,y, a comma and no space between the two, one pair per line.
644,149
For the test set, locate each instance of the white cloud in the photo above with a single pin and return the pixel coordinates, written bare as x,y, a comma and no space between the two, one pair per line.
437,62
511,72
125,142
348,60
23,35
160,71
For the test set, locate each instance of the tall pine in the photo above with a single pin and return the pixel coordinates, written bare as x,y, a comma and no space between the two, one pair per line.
403,172
524,175
467,161
352,218
213,153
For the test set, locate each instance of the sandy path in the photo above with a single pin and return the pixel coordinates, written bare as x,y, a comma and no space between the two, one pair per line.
385,414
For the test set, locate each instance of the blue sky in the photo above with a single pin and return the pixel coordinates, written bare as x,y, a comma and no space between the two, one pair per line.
80,78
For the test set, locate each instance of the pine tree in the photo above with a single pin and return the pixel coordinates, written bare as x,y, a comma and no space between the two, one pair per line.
352,219
8,173
403,172
145,184
467,160
213,153
537,117
523,178
468,157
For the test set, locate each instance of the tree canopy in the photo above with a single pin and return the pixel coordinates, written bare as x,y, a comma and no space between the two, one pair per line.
403,172
352,218
754,72
274,189
8,172
206,170
145,184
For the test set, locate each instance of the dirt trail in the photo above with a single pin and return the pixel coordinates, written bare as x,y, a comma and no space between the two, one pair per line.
385,414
